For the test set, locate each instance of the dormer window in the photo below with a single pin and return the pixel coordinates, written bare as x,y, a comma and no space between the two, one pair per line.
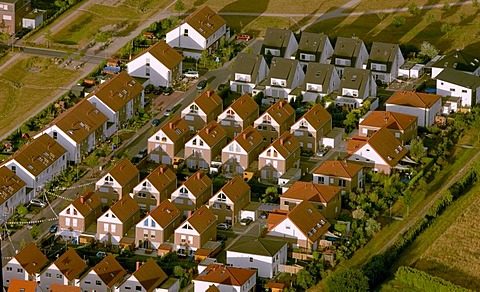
108,180
230,114
187,226
194,109
303,124
267,119
221,197
183,191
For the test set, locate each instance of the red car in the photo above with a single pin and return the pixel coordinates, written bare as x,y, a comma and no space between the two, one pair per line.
243,37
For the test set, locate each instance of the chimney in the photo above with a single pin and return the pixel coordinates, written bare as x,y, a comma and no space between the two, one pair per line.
244,136
209,93
281,104
82,199
171,125
207,130
281,141
161,170
111,93
199,175
137,266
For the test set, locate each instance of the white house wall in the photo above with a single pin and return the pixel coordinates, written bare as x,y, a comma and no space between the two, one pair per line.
445,88
160,75
265,265
426,117
288,229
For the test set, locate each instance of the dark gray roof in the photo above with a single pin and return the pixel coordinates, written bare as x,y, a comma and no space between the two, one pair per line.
347,48
458,60
282,68
247,64
312,43
354,78
257,246
276,38
383,53
459,78
319,74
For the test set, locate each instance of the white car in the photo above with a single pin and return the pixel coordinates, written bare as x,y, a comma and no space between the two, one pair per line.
38,203
191,74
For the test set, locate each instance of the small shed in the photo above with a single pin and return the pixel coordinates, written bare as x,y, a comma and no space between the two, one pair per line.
78,91
333,138
164,249
111,70
33,19
276,287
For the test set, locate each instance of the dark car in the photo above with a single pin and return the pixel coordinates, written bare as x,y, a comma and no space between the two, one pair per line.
168,91
158,91
201,84
149,88
155,122
223,86
221,238
53,228
246,221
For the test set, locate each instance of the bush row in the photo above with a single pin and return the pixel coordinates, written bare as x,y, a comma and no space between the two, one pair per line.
424,281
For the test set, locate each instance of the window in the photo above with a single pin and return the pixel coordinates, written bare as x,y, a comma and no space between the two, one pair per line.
194,109
48,275
75,212
127,288
303,124
74,222
97,282
9,269
113,228
217,206
342,183
221,197
321,180
153,224
68,211
108,180
452,89
14,169
105,227
251,260
230,114
145,223
138,288
55,135
194,142
87,282
152,235
267,119
185,32
464,91
59,276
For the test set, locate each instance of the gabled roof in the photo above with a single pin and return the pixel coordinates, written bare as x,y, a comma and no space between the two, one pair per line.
458,60
285,144
118,91
354,78
70,264
176,129
338,168
308,191
124,171
459,78
125,208
225,275
390,120
317,117
248,64
318,73
383,142
55,287
280,111
257,246
17,285
413,99
282,68
383,53
309,220
39,154
87,202
348,48
202,219
208,101
80,121
31,258
150,275
10,184
165,213
197,183
244,106
165,54
276,38
205,21
249,139
235,188
109,270
312,43
161,177
212,133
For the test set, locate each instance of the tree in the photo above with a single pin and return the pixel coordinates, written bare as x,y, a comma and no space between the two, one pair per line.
371,227
182,275
428,50
305,280
446,28
271,195
258,98
407,200
48,37
399,21
22,210
179,5
34,232
413,9
348,280
417,150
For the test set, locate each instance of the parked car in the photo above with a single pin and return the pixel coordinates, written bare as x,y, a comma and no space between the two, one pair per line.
191,74
53,228
202,84
223,226
155,122
246,221
29,226
142,153
168,111
149,88
243,37
101,254
38,203
223,86
168,91
158,90
221,238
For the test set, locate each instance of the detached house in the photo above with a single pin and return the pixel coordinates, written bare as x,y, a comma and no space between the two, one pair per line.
275,121
161,64
38,162
118,182
204,147
118,99
65,270
285,75
346,175
241,152
168,143
459,84
193,193
279,43
314,48
199,31
422,105
402,126
356,86
312,127
248,71
155,188
229,201
459,61
114,224
194,232
349,52
381,151
282,155
204,109
158,226
80,214
78,130
320,80
239,115
25,265
104,276
12,14
225,279
13,192
385,61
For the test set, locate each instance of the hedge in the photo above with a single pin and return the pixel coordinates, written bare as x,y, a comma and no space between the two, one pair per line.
424,281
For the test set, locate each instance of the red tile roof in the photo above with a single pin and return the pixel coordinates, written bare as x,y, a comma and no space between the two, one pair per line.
165,54
31,258
197,183
165,213
150,275
286,144
70,264
109,270
244,106
124,171
225,275
87,202
162,177
235,188
17,285
414,99
10,184
338,168
317,117
390,120
309,220
202,219
308,191
125,208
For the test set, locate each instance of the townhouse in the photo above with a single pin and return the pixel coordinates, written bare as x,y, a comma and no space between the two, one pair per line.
349,52
275,121
230,200
459,84
356,85
205,108
12,13
320,80
104,276
239,115
80,214
346,175
402,126
155,188
149,277
193,193
385,61
65,270
284,76
279,43
25,265
223,278
311,128
118,182
314,48
459,61
422,105
205,146
247,72
167,144
13,192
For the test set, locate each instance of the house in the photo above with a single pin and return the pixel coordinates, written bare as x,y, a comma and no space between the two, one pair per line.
149,277
346,175
118,182
168,143
459,61
80,214
25,265
204,109
193,193
104,276
314,48
312,127
327,198
205,146
279,43
118,220
199,31
402,126
12,13
381,151
230,200
349,52
275,121
225,279
356,85
303,227
262,254
55,287
247,72
17,285
38,162
155,188
197,230
160,63
284,76
78,130
119,99
13,192
241,152
157,226
455,83
422,105
320,80
282,155
239,115
385,61
65,270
